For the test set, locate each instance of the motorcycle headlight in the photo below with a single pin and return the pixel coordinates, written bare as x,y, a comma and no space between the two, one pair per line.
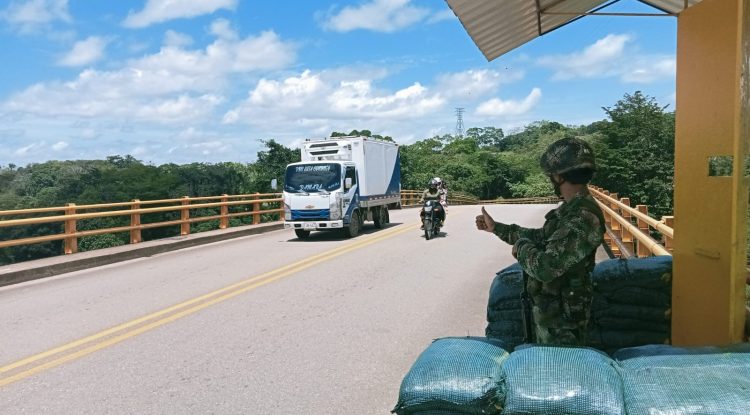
427,208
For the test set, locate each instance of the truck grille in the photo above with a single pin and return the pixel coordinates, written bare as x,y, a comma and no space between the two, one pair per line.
310,215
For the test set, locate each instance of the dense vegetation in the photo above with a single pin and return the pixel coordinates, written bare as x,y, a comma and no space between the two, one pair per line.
634,146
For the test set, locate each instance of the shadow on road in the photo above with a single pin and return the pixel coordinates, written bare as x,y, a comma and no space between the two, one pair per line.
338,234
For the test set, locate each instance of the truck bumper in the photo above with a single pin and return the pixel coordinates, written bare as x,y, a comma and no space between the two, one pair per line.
318,225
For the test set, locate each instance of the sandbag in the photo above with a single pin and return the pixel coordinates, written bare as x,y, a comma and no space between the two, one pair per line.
661,379
632,311
651,272
494,315
458,375
507,285
542,380
636,296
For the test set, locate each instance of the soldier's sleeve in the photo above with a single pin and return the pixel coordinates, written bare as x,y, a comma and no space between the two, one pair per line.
567,246
512,233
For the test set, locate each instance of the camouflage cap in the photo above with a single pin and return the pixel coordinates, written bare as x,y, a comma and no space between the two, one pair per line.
567,154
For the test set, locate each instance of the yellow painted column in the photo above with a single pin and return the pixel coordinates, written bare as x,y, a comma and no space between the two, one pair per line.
711,198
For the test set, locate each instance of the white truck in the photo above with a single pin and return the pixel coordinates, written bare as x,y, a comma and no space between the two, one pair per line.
340,183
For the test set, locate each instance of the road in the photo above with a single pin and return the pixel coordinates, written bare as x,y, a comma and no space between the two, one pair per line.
265,324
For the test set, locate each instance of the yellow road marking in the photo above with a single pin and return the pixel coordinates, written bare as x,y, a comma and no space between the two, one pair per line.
228,292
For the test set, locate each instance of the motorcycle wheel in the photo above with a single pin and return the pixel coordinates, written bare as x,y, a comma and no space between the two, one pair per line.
427,229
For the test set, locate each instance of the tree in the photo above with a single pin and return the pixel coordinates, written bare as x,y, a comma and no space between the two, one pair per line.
271,164
635,152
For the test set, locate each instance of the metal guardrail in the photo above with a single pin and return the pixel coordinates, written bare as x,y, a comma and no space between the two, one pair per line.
629,229
522,201
72,214
410,198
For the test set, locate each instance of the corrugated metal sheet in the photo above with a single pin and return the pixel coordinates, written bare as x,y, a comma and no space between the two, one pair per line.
499,26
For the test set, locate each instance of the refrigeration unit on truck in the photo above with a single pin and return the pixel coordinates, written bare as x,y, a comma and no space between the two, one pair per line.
340,183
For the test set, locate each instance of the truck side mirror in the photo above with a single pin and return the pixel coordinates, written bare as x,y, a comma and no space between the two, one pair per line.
274,184
348,183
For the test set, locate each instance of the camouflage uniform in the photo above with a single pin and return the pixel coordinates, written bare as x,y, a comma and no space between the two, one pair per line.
560,257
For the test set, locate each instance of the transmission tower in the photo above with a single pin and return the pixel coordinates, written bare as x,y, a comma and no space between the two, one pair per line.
459,122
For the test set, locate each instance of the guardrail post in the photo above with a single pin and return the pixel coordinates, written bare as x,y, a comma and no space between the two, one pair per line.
135,220
615,226
71,242
185,216
643,227
224,220
668,242
256,209
627,237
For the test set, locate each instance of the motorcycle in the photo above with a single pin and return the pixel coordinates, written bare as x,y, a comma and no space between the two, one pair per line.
431,221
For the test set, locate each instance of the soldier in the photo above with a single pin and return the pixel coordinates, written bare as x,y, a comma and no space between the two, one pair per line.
559,257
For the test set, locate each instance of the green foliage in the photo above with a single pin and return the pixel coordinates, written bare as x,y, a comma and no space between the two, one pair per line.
90,243
635,152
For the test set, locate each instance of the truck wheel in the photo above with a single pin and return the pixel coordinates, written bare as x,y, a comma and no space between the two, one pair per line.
301,234
354,223
387,216
379,216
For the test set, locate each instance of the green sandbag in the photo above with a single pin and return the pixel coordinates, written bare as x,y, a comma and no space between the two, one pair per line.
543,380
636,296
619,323
508,327
510,304
507,285
458,375
651,272
631,311
661,379
503,315
611,340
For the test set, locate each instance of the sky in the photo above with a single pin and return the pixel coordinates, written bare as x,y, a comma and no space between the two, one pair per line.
182,81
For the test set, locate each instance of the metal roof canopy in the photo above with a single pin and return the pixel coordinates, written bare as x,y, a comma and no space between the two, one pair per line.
499,26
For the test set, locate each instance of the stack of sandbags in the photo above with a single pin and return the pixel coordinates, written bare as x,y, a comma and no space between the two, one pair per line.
661,379
632,303
543,380
504,316
454,375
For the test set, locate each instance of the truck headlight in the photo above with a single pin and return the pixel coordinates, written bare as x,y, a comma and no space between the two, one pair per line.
287,212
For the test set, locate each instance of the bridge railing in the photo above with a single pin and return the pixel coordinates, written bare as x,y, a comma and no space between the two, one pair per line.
522,201
629,230
410,198
71,214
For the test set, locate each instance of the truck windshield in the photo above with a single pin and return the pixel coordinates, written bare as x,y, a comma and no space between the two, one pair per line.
321,177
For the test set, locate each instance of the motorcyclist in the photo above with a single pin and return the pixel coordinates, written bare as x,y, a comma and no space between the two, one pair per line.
432,193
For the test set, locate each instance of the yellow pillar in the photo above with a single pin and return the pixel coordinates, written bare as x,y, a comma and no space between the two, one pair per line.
710,243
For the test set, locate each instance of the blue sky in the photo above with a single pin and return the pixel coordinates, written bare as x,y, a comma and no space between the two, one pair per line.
204,81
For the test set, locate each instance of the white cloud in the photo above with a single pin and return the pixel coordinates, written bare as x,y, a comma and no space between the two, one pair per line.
59,146
376,15
316,96
30,149
498,108
31,14
171,86
442,16
650,69
176,39
157,11
597,60
84,52
473,84
611,57
222,29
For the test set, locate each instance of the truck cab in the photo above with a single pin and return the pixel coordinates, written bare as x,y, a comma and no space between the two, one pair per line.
341,183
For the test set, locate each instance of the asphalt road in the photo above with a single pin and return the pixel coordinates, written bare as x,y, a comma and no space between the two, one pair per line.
264,324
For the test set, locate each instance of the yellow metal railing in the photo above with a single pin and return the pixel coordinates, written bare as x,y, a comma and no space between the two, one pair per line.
629,229
410,198
522,201
135,210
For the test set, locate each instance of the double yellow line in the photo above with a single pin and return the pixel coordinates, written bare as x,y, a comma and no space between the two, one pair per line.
41,362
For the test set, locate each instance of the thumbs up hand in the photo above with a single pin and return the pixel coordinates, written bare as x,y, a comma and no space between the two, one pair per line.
485,222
